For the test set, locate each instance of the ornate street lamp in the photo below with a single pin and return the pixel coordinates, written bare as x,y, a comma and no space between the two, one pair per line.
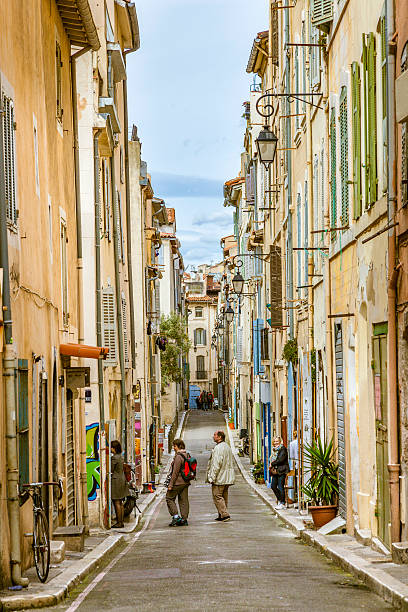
266,144
229,314
238,283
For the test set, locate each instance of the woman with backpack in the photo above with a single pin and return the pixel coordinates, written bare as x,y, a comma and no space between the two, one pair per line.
178,487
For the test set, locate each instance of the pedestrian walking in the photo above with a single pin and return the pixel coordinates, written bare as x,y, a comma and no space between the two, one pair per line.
198,402
119,485
205,400
221,474
178,487
210,400
278,468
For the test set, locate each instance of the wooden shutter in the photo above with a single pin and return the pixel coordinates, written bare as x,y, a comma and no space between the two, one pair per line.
120,228
384,98
297,109
23,430
404,139
333,164
356,136
372,120
322,14
299,240
275,34
306,236
124,327
204,333
58,66
64,273
9,159
109,325
275,308
344,158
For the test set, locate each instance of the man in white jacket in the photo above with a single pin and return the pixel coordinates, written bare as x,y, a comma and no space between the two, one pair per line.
221,474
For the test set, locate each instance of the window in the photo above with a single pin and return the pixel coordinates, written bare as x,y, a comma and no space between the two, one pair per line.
199,336
356,125
344,158
404,137
322,14
264,344
299,240
316,225
200,363
64,272
58,66
314,56
107,199
370,93
109,325
333,163
121,249
9,159
306,238
23,442
297,107
198,312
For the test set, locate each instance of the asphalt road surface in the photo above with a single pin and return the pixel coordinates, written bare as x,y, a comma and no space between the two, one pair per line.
250,563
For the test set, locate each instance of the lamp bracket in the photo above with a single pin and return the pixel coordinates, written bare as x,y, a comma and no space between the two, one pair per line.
267,109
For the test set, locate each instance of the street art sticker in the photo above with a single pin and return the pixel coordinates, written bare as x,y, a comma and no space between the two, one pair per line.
93,463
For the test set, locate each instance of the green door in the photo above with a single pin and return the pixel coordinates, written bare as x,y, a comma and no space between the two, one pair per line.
381,408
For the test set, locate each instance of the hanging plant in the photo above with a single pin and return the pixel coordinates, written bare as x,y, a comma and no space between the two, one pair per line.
313,364
290,351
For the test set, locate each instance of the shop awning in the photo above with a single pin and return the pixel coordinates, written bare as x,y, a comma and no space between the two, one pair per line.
84,351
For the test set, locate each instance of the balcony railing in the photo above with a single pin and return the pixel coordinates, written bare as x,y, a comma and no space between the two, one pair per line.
201,374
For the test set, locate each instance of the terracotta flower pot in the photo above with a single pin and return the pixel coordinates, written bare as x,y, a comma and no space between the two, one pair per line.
231,425
322,514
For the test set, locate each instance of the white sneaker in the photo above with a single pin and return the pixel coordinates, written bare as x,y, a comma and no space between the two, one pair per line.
280,506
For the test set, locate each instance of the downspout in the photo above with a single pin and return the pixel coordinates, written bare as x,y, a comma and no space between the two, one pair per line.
119,308
9,382
128,228
98,290
326,272
309,162
80,294
393,270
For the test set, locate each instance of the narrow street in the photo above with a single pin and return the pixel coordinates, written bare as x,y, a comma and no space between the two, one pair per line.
251,562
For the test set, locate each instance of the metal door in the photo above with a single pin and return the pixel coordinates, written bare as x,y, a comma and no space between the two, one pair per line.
70,458
380,399
338,338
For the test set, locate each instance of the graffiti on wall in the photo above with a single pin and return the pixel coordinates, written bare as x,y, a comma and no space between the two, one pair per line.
93,463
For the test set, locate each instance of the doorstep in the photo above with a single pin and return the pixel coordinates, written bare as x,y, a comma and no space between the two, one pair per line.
389,580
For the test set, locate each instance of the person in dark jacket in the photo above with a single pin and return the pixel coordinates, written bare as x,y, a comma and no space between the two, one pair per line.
278,468
118,482
178,487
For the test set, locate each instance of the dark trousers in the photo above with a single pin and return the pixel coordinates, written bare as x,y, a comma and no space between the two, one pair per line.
278,486
180,492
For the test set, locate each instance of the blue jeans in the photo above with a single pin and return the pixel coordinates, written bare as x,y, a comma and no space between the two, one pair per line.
278,486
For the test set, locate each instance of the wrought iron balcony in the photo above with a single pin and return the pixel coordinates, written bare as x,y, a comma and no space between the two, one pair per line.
201,374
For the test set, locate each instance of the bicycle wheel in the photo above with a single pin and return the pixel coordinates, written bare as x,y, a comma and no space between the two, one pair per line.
41,545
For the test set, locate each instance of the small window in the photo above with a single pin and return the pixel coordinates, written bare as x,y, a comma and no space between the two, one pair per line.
58,66
109,325
199,312
199,336
23,430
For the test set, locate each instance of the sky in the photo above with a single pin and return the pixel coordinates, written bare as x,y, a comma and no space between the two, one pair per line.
186,85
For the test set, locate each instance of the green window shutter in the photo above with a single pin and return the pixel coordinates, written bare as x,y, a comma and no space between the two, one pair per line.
322,14
344,158
356,111
384,97
23,441
333,163
372,120
364,61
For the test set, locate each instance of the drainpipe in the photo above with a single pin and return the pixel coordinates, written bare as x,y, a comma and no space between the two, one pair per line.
392,387
80,294
119,308
309,162
9,381
99,340
129,228
326,271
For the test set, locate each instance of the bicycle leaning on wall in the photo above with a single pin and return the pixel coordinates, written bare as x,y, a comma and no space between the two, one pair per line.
41,533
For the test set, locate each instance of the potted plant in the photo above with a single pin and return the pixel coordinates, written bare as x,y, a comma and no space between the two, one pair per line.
258,472
323,487
157,474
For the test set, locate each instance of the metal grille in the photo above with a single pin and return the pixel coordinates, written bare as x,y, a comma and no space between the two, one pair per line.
9,159
340,419
70,463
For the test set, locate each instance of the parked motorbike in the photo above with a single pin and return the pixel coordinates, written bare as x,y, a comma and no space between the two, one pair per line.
130,502
244,443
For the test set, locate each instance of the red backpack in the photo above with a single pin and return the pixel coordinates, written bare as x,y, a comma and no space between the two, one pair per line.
188,470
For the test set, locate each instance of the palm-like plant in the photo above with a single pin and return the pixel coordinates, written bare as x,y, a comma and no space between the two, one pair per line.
323,486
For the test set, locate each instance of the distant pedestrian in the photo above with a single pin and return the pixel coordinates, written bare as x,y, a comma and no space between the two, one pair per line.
221,474
278,468
198,402
178,487
119,487
210,400
205,400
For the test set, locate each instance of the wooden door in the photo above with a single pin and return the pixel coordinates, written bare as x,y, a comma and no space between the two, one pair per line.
381,408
